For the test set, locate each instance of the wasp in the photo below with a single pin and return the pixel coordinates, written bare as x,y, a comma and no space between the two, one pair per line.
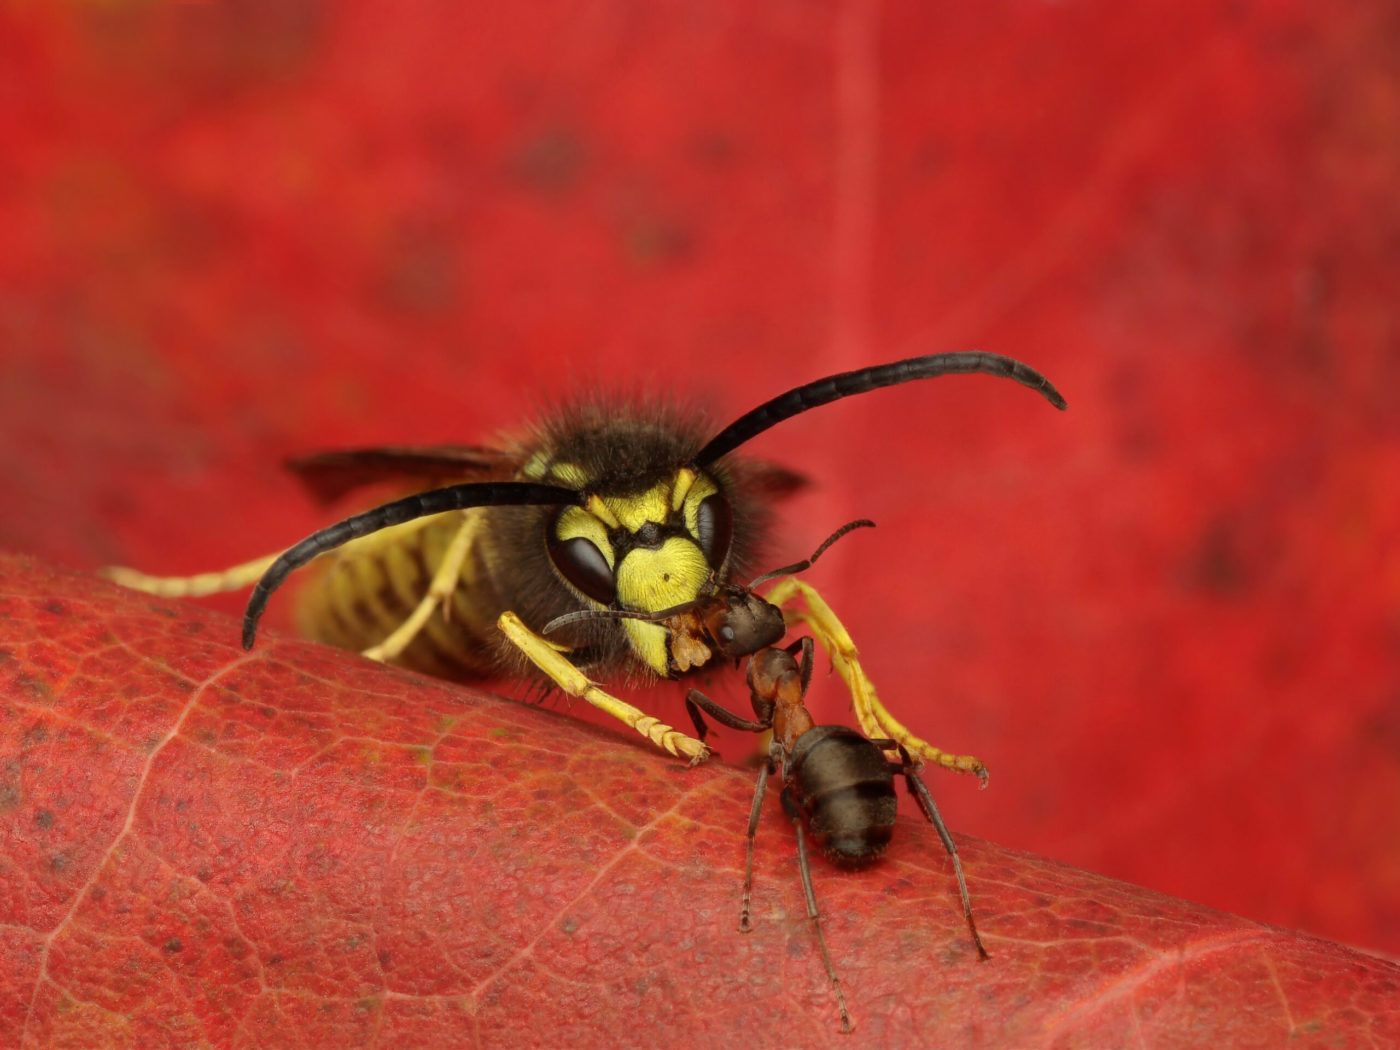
600,506
838,785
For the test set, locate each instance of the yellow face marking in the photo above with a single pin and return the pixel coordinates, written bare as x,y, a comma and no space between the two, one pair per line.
685,477
652,580
576,522
648,641
600,510
698,491
635,511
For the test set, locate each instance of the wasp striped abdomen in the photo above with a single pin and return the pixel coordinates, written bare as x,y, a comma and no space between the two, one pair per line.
360,595
844,785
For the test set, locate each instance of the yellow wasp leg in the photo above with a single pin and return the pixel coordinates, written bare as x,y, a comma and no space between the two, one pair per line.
548,658
875,719
206,583
233,579
445,580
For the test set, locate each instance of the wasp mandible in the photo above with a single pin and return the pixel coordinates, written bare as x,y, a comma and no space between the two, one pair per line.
631,507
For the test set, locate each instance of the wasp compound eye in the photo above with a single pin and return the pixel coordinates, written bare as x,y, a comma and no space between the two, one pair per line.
714,525
583,565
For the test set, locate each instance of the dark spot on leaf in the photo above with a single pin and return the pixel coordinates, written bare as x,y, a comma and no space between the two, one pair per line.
58,863
1089,926
56,607
35,687
173,945
162,610
44,818
569,925
386,959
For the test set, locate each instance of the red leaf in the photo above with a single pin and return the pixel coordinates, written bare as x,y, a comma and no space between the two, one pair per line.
293,847
230,232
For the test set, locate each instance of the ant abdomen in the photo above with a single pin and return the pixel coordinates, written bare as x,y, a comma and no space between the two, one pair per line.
844,785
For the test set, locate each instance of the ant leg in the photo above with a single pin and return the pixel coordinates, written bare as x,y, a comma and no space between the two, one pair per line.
920,791
805,662
696,701
791,808
701,729
757,808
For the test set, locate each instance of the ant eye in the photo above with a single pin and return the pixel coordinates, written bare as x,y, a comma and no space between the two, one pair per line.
583,565
714,527
726,633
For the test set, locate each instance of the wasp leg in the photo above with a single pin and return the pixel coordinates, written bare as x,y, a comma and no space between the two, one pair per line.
198,586
874,718
547,657
445,580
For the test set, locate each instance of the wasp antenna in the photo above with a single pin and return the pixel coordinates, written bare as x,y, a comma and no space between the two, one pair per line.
436,501
799,566
833,388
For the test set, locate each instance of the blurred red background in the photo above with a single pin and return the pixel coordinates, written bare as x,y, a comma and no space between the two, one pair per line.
1166,619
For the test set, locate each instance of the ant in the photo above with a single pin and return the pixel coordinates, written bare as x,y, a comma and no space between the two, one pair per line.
837,783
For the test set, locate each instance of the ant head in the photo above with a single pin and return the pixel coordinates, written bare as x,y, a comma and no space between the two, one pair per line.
741,623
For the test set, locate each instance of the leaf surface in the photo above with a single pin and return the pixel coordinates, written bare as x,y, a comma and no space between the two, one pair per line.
235,232
294,847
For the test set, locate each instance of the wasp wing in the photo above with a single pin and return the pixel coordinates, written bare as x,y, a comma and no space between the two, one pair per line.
328,476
